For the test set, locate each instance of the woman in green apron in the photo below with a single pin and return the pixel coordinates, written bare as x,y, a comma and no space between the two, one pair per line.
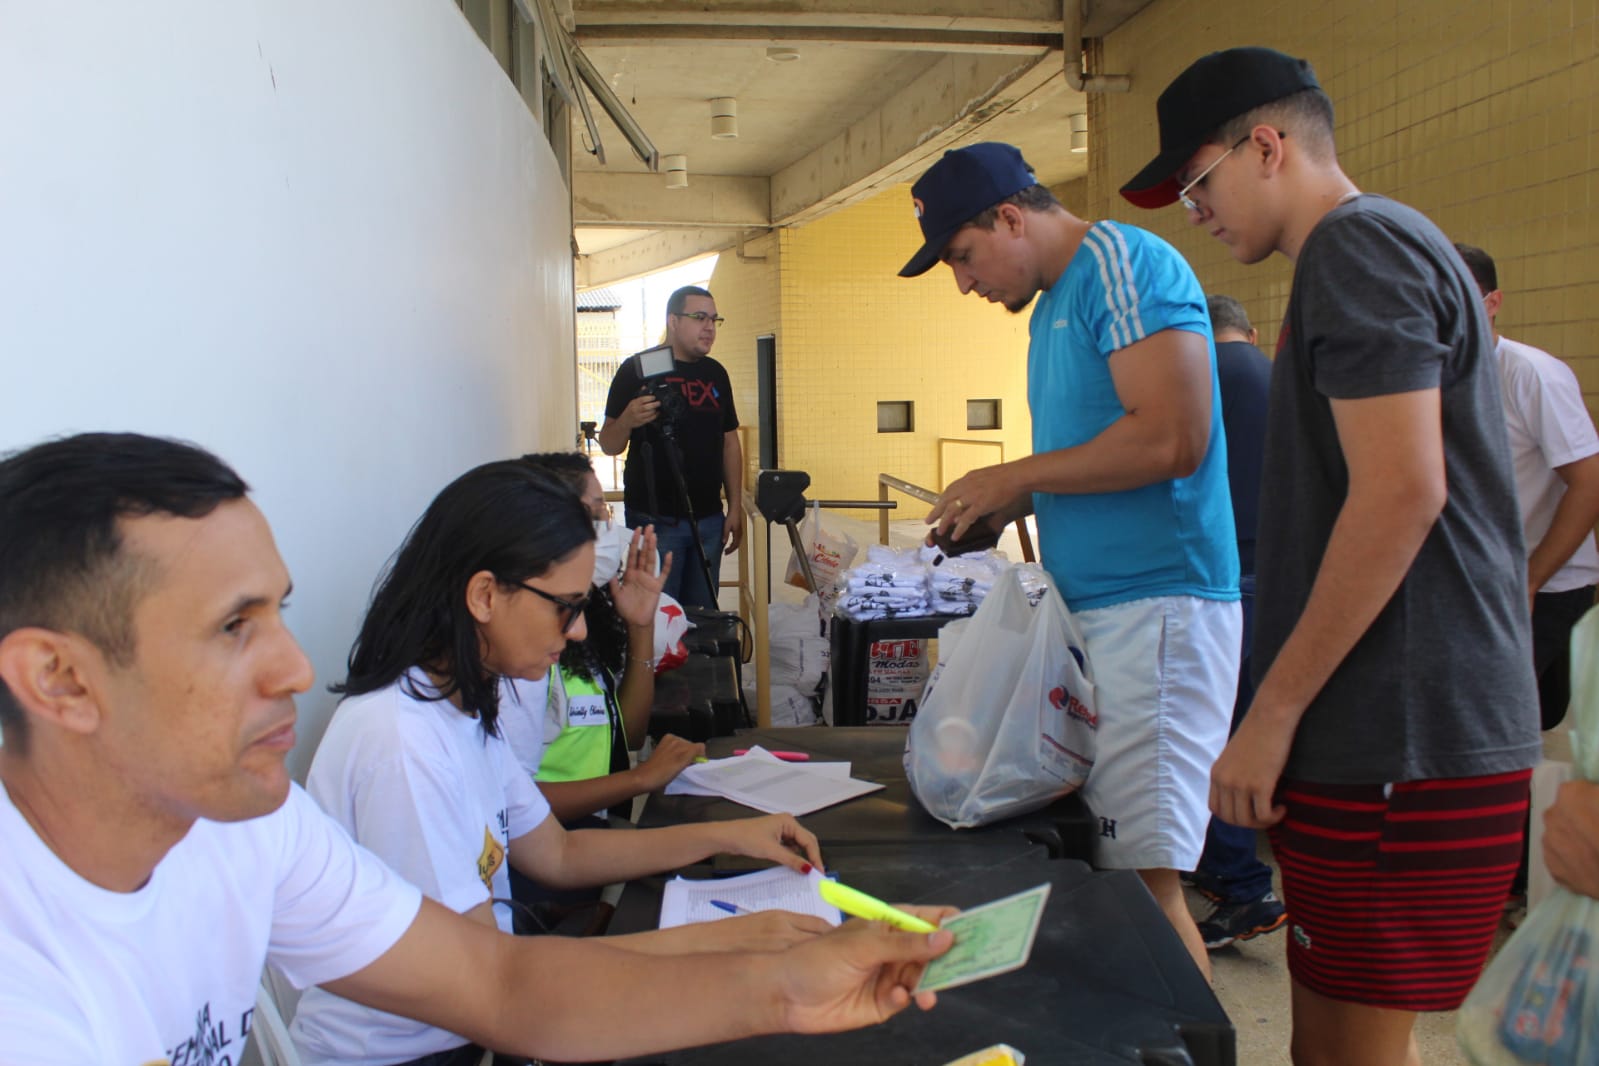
600,698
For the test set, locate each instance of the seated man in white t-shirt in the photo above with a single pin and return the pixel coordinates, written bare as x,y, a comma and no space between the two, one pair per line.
1556,456
154,854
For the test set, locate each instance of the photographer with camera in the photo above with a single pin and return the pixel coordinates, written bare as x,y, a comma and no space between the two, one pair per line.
672,408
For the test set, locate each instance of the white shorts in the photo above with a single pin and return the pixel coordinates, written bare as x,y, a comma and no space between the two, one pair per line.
1165,674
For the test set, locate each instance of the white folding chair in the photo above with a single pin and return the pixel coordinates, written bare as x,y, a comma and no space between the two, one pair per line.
269,1033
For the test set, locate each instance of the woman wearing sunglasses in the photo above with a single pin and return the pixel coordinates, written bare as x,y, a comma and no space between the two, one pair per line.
603,689
475,610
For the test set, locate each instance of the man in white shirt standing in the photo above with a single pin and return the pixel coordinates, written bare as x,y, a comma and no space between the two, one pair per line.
1556,455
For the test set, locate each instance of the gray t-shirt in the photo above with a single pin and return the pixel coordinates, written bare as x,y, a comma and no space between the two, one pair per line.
1441,685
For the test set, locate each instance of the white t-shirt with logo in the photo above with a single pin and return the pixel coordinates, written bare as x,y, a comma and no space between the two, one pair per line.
522,724
169,973
420,784
1549,426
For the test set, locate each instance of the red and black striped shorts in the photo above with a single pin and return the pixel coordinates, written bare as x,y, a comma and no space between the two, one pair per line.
1393,896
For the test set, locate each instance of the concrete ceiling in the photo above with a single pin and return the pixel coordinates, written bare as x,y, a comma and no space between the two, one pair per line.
880,89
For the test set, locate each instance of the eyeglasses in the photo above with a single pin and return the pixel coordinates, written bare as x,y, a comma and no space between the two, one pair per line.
702,317
570,609
1182,194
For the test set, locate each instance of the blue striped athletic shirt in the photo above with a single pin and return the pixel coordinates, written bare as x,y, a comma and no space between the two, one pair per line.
1170,538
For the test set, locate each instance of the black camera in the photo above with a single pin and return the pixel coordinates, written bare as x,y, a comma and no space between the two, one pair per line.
669,396
653,365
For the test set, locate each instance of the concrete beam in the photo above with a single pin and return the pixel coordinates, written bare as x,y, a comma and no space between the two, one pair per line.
920,40
950,101
645,256
1014,16
609,198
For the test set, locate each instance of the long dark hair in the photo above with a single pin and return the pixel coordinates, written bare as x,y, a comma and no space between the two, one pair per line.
605,650
503,517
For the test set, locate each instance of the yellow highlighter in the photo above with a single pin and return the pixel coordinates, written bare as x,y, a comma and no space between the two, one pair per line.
860,905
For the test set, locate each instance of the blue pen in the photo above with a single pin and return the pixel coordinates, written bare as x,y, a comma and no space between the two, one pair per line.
731,908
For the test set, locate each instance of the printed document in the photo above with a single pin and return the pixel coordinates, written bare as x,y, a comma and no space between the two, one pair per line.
777,889
763,781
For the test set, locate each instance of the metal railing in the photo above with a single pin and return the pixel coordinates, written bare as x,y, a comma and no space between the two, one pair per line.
888,482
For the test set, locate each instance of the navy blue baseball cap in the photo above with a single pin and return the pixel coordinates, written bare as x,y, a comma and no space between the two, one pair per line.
958,188
1213,91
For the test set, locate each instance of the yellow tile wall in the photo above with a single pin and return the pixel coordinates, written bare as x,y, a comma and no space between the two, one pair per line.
1479,113
855,333
851,332
745,289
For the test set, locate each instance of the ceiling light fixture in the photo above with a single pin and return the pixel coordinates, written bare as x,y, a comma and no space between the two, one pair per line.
1079,134
724,118
782,54
676,168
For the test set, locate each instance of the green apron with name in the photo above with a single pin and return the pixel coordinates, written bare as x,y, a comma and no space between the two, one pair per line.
591,729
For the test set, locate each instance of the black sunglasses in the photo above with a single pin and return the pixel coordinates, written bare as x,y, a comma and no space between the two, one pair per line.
570,609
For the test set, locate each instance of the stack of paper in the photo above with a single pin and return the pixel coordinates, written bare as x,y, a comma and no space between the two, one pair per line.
776,889
765,782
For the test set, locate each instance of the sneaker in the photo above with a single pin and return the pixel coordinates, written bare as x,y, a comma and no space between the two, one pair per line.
1232,922
1204,885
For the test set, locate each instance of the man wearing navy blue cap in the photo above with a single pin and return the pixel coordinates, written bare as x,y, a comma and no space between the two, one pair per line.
1128,479
1395,714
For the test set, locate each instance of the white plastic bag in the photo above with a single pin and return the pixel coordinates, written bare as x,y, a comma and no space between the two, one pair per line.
799,648
830,553
1538,1001
791,707
1008,722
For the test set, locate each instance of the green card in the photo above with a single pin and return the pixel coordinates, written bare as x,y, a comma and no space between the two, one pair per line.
992,939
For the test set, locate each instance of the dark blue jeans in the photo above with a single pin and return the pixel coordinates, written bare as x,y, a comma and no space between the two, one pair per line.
686,582
1229,865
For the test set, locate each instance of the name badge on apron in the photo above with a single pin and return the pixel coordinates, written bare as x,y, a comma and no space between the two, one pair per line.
586,710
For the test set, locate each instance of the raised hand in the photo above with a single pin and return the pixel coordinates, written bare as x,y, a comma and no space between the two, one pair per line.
637,590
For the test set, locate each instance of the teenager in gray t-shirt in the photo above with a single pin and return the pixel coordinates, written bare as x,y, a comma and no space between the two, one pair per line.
1394,721
1438,685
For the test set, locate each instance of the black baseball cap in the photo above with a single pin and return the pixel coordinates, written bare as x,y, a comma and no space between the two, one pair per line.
958,188
1211,92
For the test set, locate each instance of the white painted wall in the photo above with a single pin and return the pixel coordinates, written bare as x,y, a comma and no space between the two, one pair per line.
325,240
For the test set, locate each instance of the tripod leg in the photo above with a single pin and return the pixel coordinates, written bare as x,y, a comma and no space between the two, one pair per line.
674,463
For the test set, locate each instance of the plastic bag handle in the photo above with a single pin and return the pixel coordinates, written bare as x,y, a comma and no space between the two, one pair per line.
1073,630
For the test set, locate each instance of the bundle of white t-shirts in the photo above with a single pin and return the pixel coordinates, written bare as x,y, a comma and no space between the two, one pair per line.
889,584
863,608
922,581
958,583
